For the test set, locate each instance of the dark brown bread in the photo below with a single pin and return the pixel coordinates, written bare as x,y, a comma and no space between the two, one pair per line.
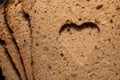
6,36
19,24
6,65
76,53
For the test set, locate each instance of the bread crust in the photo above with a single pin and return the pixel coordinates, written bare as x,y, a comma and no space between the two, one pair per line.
19,24
6,65
10,45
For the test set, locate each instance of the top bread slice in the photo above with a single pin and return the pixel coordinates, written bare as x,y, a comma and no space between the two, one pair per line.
10,45
19,24
6,65
75,54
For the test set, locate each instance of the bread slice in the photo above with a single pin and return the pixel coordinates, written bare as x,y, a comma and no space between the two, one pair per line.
6,65
77,52
19,24
6,36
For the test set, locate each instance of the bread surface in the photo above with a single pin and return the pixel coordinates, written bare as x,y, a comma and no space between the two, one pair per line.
75,53
62,39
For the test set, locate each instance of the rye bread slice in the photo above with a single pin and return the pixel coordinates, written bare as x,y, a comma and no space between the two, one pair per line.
19,24
10,45
6,65
65,48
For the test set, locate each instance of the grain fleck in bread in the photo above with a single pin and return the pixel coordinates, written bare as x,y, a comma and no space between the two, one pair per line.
6,65
10,45
75,54
21,31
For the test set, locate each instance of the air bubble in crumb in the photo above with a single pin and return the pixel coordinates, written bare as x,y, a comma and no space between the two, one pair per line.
61,54
99,6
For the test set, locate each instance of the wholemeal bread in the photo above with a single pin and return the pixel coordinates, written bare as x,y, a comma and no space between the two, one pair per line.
81,52
19,24
10,45
6,65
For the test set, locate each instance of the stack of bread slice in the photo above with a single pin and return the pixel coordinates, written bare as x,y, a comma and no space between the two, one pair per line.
60,39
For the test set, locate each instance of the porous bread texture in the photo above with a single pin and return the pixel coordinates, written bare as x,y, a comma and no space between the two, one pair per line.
6,65
10,45
75,54
19,24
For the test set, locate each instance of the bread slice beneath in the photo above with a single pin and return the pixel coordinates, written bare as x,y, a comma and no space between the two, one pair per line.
75,54
6,65
10,45
19,24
